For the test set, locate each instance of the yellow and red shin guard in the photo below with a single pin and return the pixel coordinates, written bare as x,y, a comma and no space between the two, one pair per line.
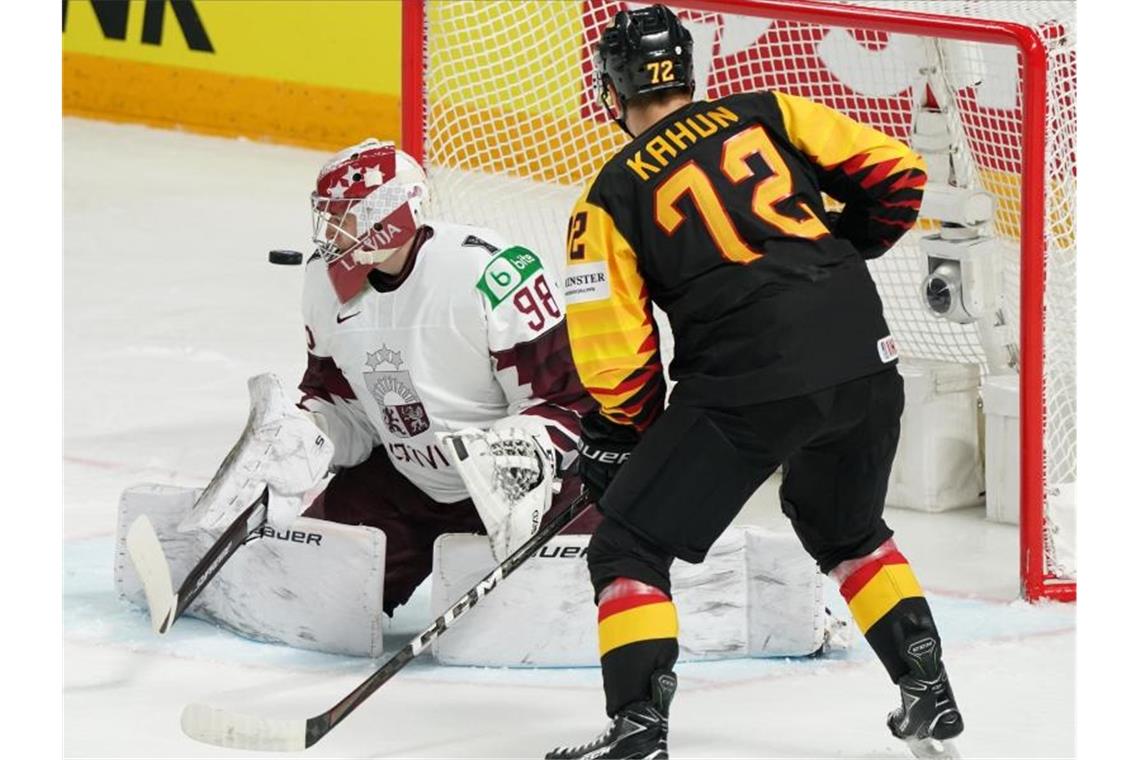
886,602
637,635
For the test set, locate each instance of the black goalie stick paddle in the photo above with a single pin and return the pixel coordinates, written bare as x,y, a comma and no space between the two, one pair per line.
228,729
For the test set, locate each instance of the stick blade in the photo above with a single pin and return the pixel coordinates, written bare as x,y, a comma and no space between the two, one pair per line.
150,563
227,729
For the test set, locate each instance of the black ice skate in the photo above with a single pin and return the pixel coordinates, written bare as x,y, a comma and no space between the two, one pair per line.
928,717
638,731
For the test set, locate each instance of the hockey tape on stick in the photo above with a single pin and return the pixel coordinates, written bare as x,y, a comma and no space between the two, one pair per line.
228,729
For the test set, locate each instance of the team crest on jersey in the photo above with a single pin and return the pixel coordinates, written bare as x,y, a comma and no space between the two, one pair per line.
403,412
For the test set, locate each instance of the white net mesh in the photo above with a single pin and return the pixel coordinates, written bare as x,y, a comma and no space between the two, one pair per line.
512,134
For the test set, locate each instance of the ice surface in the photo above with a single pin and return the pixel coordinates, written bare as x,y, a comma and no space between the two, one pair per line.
170,305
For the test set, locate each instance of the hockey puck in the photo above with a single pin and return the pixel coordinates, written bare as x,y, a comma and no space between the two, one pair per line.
287,258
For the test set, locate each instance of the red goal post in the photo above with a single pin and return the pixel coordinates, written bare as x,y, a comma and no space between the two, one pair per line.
499,91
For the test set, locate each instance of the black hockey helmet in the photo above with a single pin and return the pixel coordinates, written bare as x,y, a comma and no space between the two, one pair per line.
642,51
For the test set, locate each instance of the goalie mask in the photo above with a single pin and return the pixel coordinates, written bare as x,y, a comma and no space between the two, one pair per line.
368,203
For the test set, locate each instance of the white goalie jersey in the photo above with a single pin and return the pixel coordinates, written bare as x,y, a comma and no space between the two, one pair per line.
470,332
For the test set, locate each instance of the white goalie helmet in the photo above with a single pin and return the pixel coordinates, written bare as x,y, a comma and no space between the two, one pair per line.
368,203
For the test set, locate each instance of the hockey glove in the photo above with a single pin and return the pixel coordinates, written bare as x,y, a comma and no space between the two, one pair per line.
603,449
509,474
282,447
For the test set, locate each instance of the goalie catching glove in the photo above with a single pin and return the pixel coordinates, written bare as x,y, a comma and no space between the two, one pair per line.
509,473
282,447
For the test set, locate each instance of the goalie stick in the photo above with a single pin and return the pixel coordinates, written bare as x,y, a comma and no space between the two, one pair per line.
167,605
228,729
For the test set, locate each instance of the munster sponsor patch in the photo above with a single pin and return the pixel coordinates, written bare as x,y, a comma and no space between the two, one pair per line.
506,272
587,282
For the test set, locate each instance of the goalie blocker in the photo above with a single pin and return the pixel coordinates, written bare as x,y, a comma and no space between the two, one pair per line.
319,585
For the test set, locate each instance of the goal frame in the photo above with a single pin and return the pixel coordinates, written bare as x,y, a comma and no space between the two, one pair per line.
1036,583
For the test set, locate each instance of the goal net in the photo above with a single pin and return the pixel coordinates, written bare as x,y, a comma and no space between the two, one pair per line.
499,105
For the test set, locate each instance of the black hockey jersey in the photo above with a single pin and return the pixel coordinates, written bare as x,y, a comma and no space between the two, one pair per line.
717,215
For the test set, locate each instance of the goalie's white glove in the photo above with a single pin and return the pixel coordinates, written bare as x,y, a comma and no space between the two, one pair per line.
282,447
509,474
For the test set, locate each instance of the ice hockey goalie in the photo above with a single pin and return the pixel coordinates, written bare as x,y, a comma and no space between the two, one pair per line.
424,338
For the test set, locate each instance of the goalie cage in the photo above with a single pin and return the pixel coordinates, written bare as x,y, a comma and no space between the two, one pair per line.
498,105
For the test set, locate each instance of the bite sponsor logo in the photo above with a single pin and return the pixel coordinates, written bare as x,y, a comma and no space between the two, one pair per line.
506,272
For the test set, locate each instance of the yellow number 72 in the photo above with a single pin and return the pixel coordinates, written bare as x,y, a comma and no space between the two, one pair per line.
660,71
690,179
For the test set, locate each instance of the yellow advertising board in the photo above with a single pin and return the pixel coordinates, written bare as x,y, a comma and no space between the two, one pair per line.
322,73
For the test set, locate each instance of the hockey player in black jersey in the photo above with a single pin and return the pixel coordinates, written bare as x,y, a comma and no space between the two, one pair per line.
715,212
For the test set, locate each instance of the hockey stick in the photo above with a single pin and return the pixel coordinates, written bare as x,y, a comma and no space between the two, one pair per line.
167,605
228,729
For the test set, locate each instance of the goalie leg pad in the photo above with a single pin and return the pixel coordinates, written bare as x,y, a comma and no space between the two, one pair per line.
315,586
757,594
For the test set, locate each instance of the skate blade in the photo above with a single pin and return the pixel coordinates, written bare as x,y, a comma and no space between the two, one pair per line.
928,748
